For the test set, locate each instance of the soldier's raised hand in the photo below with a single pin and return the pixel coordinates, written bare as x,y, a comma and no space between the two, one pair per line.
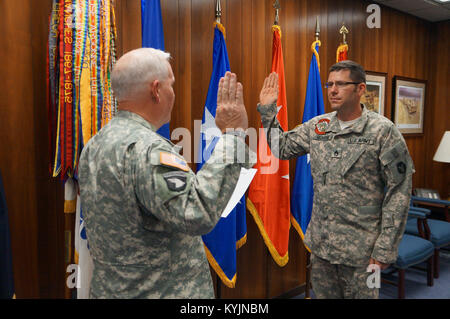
231,112
269,91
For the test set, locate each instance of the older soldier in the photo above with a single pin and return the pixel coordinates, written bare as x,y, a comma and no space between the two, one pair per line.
362,183
144,208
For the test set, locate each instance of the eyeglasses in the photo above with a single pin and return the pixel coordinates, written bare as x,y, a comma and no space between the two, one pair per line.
339,84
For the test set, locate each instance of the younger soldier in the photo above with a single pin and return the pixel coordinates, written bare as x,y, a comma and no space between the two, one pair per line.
362,182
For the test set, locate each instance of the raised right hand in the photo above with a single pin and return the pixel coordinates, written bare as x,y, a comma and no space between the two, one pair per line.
231,112
269,91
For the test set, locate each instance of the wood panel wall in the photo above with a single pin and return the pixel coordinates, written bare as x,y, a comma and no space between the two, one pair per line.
437,175
404,46
34,199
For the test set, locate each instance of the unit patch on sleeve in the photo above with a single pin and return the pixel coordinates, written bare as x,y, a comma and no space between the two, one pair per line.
176,181
401,167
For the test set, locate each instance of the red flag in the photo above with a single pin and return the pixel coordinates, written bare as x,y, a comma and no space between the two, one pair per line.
268,198
342,53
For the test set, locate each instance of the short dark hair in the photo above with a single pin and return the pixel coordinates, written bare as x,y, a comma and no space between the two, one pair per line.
357,73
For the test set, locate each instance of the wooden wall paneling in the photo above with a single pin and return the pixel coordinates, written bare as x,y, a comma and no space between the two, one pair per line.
49,191
128,15
404,45
247,49
129,25
25,267
251,265
35,214
201,53
177,32
437,174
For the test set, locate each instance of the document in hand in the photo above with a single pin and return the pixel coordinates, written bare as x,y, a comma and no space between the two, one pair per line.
245,178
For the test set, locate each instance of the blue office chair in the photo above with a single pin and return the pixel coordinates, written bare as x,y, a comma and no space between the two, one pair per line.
436,231
413,251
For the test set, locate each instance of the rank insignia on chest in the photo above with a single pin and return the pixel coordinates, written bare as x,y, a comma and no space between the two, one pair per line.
173,160
322,126
336,153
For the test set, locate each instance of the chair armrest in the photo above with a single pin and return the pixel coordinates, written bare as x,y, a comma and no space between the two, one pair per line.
442,202
425,211
422,224
417,214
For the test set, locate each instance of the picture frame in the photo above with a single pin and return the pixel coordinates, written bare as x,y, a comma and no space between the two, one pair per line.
408,104
375,96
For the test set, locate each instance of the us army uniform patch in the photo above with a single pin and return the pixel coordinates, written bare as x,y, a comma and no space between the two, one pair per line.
172,160
176,181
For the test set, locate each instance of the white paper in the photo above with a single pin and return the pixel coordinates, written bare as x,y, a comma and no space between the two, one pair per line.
245,178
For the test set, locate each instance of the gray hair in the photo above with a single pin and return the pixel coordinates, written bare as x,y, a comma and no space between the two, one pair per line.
135,69
357,73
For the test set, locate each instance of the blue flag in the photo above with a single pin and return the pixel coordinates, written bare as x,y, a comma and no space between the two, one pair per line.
302,192
6,270
230,232
153,37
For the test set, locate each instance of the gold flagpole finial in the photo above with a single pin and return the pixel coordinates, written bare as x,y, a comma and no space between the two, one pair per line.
277,7
317,28
344,32
218,11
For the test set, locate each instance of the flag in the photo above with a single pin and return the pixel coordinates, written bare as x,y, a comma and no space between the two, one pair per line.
153,37
230,232
6,269
82,255
81,54
302,191
268,197
342,53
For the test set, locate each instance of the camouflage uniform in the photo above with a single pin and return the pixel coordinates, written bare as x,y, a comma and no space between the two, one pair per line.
145,210
362,184
331,281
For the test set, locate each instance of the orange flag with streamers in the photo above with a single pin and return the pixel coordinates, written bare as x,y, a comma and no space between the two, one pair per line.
268,197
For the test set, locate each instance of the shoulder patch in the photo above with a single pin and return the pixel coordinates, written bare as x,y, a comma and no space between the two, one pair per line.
172,160
401,167
322,126
176,181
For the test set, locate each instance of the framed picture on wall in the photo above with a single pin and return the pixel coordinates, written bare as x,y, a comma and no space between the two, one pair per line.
409,104
374,97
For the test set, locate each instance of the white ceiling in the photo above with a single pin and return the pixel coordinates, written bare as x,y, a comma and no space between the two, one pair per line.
430,10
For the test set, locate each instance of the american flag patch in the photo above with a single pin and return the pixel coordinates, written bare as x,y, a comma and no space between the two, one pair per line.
171,160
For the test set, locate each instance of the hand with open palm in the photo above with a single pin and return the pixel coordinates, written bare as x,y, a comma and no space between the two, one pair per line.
231,112
269,91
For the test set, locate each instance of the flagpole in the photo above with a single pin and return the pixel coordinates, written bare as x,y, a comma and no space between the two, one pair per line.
308,254
269,259
218,280
277,7
344,32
